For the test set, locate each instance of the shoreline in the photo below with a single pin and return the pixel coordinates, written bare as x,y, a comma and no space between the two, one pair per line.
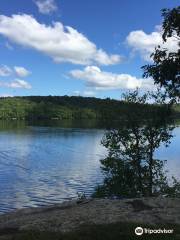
70,215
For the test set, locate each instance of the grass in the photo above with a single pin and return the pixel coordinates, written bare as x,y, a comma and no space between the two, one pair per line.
115,231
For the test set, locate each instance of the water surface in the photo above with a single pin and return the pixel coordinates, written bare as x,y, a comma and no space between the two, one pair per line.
42,165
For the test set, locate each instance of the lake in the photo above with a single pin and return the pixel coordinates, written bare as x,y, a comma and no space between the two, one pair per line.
43,164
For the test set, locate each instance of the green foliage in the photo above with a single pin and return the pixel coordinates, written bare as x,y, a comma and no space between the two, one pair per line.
171,23
165,69
15,108
176,110
134,97
130,168
43,108
54,107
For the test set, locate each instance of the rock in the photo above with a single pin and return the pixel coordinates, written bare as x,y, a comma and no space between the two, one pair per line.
70,215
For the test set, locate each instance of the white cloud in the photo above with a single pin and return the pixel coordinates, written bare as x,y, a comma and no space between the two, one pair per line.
21,71
61,43
144,43
46,6
5,71
17,83
103,58
101,80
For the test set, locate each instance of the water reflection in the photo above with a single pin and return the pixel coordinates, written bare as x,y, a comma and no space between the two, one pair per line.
42,165
131,168
171,154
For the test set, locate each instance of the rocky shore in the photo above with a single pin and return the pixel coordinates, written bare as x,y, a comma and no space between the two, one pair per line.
68,216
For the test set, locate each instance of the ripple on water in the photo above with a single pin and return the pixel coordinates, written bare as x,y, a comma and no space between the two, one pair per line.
40,166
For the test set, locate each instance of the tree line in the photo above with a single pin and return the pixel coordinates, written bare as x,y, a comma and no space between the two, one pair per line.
65,107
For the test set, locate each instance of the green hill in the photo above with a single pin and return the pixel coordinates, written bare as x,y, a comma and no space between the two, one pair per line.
65,107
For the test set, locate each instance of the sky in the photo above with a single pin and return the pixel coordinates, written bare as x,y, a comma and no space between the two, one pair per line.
87,48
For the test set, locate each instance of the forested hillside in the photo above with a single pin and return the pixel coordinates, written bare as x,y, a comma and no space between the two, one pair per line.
65,107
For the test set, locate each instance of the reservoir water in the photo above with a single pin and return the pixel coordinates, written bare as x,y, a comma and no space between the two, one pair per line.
42,165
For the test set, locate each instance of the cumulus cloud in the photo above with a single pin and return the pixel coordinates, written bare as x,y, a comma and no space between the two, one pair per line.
100,80
46,6
17,83
144,43
5,71
21,71
61,43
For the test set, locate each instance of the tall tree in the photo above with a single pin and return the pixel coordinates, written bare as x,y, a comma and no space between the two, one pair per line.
165,69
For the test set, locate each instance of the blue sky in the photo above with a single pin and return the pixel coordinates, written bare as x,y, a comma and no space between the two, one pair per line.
99,54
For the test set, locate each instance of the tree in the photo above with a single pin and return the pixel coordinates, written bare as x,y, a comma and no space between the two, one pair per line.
130,167
165,69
